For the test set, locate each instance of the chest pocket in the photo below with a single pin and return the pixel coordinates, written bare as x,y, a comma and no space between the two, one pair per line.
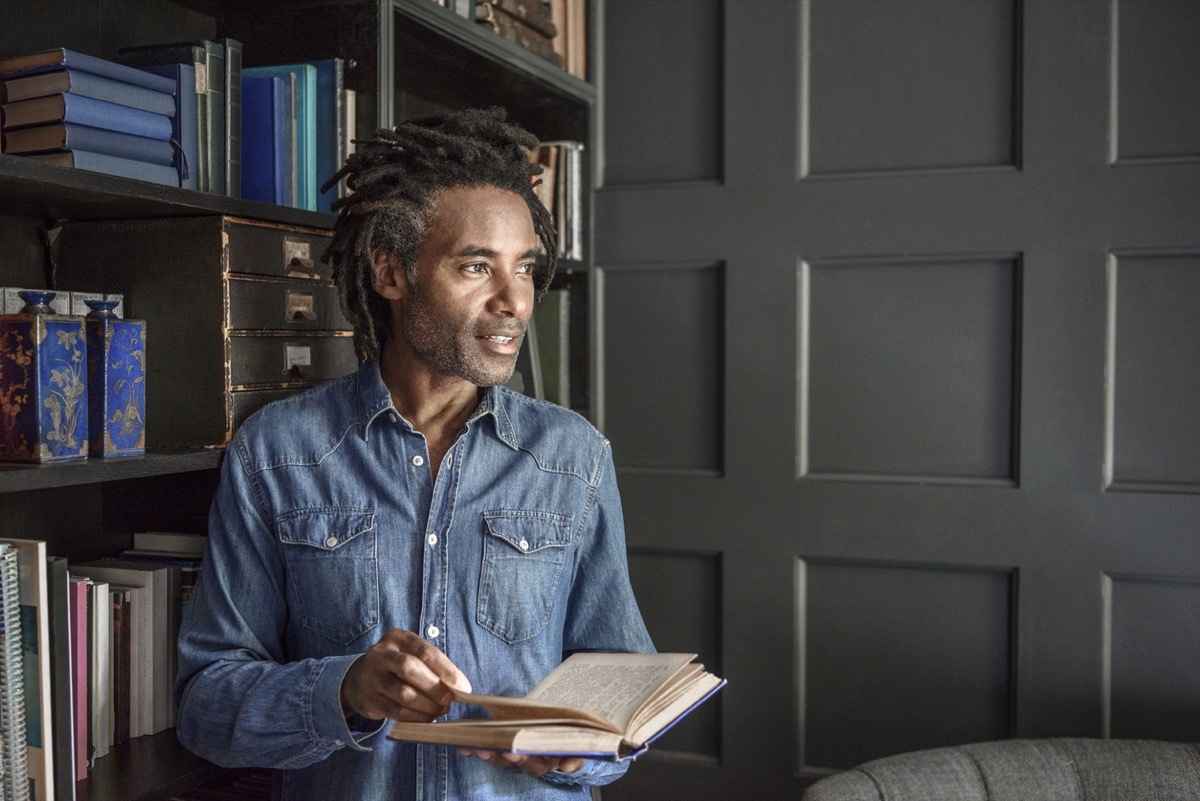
332,570
524,554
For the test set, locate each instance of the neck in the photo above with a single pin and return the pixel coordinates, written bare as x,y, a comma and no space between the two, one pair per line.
436,405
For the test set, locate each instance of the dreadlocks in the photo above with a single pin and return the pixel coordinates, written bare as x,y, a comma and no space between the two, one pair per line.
393,179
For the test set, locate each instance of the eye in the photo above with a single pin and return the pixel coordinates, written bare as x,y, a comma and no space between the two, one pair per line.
526,269
476,267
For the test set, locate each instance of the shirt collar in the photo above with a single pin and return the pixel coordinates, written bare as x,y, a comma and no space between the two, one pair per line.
374,400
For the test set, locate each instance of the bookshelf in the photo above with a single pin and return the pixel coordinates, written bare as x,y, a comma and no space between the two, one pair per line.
403,58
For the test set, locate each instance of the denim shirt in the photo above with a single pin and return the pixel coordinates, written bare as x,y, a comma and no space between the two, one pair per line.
328,530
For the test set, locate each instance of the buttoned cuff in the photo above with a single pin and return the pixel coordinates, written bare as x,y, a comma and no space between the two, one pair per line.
331,725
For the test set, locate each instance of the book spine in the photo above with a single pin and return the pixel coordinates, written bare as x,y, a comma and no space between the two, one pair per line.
531,12
258,143
184,125
233,117
330,88
79,674
518,33
62,692
125,94
70,59
13,755
115,165
121,664
110,116
115,143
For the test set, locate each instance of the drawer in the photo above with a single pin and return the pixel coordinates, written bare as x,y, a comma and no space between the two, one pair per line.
259,303
278,250
273,360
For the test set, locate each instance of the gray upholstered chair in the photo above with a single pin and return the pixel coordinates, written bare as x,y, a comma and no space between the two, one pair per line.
1055,769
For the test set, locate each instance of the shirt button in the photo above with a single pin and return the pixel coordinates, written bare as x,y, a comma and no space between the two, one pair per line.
418,461
432,632
524,544
449,461
392,416
338,743
332,541
432,540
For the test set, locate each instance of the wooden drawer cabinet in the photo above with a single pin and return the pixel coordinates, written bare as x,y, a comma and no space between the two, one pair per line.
238,313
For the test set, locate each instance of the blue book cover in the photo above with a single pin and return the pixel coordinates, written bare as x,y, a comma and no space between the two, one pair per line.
77,82
86,111
264,170
61,57
185,125
306,127
113,165
69,136
330,155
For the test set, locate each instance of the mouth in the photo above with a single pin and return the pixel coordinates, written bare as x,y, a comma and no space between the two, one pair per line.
506,344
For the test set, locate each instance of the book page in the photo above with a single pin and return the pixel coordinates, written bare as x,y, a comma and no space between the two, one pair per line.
614,686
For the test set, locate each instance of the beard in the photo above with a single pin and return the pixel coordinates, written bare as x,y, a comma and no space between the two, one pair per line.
451,344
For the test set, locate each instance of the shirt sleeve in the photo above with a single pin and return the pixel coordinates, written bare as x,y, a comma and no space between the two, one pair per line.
241,703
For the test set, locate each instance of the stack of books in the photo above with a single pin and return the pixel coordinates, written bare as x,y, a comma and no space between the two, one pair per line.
528,23
298,123
91,662
561,192
78,110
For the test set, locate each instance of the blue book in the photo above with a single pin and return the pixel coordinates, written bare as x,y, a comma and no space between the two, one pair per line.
69,136
264,170
76,82
306,127
60,58
330,127
112,165
86,111
185,126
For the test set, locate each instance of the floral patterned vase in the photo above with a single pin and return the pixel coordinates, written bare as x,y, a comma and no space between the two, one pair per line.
43,384
116,381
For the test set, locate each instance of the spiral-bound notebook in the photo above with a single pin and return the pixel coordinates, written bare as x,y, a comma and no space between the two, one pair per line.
15,780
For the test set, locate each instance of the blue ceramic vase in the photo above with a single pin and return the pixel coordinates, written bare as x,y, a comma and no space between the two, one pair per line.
43,383
116,351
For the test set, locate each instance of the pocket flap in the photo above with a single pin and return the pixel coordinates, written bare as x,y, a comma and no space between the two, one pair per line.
327,529
529,532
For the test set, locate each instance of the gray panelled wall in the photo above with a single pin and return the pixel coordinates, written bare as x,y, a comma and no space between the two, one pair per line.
899,350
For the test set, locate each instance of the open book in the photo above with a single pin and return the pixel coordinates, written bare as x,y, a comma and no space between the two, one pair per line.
601,706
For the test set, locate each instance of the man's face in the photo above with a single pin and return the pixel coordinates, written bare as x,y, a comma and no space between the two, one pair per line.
466,314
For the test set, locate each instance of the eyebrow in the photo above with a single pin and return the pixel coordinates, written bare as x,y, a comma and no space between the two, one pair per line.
479,250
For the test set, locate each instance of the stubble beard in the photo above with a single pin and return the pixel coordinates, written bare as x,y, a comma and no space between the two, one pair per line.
451,346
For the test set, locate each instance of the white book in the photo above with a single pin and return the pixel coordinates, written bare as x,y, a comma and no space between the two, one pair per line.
101,657
150,635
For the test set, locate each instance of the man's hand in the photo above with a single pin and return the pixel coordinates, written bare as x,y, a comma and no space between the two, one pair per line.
402,677
533,765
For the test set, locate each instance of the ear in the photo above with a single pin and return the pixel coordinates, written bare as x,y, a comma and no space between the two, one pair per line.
391,279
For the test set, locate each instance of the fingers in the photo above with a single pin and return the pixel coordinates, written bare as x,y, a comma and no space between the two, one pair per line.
402,677
524,763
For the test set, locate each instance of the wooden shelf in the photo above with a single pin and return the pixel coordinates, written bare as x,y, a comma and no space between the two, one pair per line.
30,188
22,477
449,27
146,768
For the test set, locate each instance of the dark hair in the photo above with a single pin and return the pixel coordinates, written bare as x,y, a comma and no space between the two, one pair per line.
393,179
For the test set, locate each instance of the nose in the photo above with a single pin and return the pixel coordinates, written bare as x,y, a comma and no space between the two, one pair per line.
512,295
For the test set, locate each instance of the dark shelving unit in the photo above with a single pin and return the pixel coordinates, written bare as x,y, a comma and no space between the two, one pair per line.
403,58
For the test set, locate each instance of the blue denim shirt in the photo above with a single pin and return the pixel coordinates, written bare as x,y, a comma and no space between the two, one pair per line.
328,530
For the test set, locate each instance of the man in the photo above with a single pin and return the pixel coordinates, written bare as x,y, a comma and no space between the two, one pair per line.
415,526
